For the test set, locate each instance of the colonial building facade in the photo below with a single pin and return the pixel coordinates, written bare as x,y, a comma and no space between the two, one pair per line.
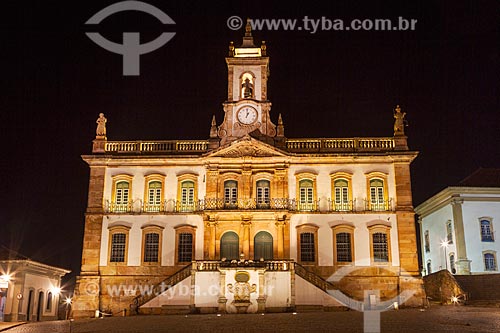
267,220
458,226
29,290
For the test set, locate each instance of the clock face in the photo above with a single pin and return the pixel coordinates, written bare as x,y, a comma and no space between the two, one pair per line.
247,115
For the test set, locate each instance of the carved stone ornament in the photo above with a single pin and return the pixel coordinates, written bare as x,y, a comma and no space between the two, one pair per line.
247,147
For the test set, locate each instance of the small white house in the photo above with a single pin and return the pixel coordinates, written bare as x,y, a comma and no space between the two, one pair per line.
29,290
458,226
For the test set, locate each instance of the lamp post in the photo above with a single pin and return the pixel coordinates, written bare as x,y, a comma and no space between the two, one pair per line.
444,244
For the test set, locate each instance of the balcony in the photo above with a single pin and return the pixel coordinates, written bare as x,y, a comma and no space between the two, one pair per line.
344,206
209,204
379,206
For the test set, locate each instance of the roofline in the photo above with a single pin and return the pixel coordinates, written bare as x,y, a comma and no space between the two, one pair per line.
446,195
37,264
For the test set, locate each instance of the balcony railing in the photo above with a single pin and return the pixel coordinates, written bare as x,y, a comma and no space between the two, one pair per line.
293,205
344,206
340,145
379,205
172,146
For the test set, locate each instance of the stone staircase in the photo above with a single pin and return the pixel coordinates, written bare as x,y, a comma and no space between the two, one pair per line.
160,288
327,287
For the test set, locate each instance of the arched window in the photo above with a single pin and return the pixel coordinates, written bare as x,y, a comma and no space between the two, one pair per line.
490,262
231,193
49,302
263,193
377,199
306,194
453,269
229,246
429,267
151,247
247,86
187,195
341,189
154,196
263,246
122,197
486,231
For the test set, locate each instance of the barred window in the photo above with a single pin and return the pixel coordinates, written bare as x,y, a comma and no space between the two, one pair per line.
490,263
118,243
344,247
307,250
151,247
486,232
380,247
185,247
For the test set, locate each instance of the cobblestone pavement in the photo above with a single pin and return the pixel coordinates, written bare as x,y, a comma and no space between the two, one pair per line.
436,319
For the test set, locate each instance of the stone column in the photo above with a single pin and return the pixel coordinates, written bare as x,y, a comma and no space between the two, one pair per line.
212,227
462,263
246,235
222,294
280,224
261,298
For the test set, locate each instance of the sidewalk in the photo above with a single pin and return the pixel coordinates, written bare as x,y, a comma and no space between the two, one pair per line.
6,325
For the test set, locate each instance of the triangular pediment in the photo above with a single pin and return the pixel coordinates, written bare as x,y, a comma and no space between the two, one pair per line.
247,147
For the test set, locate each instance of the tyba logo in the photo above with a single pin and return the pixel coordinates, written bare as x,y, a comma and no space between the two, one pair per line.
131,49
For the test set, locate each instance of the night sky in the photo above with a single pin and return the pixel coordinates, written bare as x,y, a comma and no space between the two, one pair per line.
55,82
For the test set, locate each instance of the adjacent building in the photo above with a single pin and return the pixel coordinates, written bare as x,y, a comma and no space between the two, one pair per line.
29,289
264,219
458,226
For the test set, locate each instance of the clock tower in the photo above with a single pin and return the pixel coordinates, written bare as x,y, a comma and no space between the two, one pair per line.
247,108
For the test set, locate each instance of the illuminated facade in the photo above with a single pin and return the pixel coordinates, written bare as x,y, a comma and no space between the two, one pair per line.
265,219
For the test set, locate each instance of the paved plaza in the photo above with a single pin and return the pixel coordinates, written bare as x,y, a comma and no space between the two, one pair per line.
435,319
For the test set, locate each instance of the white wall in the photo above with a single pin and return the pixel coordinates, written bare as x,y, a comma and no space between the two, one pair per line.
325,222
436,224
136,222
472,211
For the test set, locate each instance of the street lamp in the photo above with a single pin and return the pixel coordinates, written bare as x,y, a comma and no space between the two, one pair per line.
444,244
67,301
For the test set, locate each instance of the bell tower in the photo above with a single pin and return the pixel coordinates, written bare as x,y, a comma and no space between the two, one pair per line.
247,107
